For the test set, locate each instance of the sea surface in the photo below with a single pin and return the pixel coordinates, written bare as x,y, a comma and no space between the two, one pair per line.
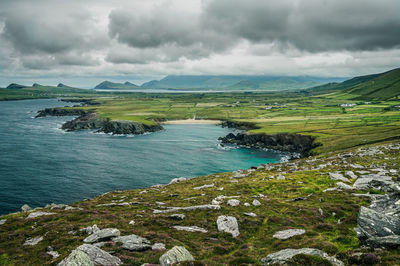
41,164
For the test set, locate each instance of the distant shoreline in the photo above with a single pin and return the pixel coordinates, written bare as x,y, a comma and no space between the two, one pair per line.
192,122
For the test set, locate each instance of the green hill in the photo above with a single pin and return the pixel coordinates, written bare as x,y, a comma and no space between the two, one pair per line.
382,86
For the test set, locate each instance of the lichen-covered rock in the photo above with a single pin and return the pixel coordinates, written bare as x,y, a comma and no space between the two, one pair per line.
228,224
103,234
99,256
158,246
33,215
391,241
365,181
282,256
233,202
25,208
133,242
338,176
256,203
77,258
285,234
175,255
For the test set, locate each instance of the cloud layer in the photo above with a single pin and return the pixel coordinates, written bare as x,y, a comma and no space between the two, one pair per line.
286,37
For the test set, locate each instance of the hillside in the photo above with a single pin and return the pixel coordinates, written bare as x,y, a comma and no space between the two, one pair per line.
382,86
236,82
107,85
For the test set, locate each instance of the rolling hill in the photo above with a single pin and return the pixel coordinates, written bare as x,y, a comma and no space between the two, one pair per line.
382,86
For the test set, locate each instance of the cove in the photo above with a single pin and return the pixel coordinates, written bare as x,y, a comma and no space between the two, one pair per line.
41,164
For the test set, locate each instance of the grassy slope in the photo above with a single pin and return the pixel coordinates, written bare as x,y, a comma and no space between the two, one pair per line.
277,212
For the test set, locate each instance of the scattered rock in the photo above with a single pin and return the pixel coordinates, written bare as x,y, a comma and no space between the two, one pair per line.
246,204
285,234
256,203
177,216
321,212
190,228
282,256
25,208
77,258
51,252
330,189
103,234
391,241
158,246
220,199
175,255
3,221
364,181
337,176
233,202
133,242
190,208
204,186
90,229
37,214
252,214
33,241
228,224
177,180
344,186
98,256
132,222
351,174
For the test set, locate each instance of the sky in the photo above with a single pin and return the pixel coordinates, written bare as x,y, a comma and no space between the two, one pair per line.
81,43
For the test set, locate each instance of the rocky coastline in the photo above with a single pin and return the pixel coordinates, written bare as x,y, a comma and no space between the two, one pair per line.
286,142
88,119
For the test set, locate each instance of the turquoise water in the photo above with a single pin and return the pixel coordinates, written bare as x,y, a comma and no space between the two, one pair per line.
41,164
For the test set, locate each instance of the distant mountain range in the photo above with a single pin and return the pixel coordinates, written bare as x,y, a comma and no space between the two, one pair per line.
223,82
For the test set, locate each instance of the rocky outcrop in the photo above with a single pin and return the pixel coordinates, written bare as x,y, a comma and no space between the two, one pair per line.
228,224
238,125
103,234
133,242
90,120
284,255
60,111
90,255
286,142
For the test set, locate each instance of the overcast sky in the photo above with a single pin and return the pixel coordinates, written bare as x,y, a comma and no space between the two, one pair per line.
84,42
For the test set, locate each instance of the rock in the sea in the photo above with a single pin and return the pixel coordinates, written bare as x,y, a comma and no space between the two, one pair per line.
25,208
38,214
3,221
33,241
285,234
177,216
282,256
256,203
76,258
103,234
175,255
228,224
233,202
158,246
133,242
190,228
338,176
204,186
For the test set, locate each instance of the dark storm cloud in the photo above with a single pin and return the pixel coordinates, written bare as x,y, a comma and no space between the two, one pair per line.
312,25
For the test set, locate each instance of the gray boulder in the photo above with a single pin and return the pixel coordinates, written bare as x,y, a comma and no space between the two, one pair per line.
25,208
101,235
133,242
76,258
38,214
33,241
177,216
282,256
392,241
364,181
338,176
190,228
3,221
158,246
233,202
285,234
99,256
175,255
228,224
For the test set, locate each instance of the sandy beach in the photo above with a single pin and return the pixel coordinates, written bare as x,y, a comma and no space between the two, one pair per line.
191,121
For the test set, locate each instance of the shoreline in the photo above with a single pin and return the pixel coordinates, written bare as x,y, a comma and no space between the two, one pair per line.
192,122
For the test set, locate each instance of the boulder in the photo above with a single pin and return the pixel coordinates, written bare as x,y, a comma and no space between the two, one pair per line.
338,176
228,224
177,217
344,186
133,242
282,256
99,256
285,234
158,246
25,208
177,180
391,241
351,174
76,258
3,221
233,202
103,234
251,214
33,241
365,181
175,255
38,214
256,203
